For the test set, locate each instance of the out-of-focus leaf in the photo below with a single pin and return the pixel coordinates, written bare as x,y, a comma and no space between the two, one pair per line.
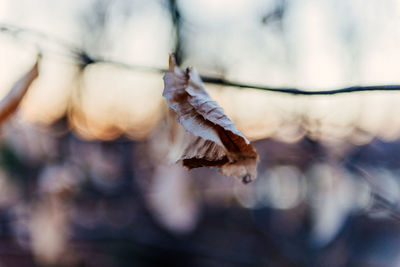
171,199
11,101
214,140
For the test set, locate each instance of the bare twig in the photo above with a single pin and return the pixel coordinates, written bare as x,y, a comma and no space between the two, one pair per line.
295,91
84,59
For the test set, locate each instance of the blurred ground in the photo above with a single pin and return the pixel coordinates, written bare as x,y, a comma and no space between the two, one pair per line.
69,202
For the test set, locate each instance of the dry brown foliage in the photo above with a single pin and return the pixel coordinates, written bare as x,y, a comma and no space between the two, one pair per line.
214,140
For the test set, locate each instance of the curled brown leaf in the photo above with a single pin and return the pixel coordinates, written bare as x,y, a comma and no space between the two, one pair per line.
213,138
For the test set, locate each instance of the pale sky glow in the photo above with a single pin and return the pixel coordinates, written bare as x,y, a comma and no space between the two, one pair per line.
321,45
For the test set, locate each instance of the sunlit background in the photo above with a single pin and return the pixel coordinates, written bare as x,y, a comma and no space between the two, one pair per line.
85,176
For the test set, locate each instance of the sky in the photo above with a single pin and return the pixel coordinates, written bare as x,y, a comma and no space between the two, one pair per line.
310,45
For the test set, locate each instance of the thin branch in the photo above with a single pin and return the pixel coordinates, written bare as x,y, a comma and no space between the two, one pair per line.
177,23
84,59
129,66
15,30
295,91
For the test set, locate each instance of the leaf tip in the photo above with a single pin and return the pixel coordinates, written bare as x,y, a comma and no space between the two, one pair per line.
172,62
247,179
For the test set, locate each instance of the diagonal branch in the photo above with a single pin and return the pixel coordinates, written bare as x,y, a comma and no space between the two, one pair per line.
14,97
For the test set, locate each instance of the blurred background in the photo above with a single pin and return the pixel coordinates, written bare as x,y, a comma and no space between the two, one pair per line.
84,175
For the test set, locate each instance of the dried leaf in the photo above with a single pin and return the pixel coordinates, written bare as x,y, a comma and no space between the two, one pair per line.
11,101
214,140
